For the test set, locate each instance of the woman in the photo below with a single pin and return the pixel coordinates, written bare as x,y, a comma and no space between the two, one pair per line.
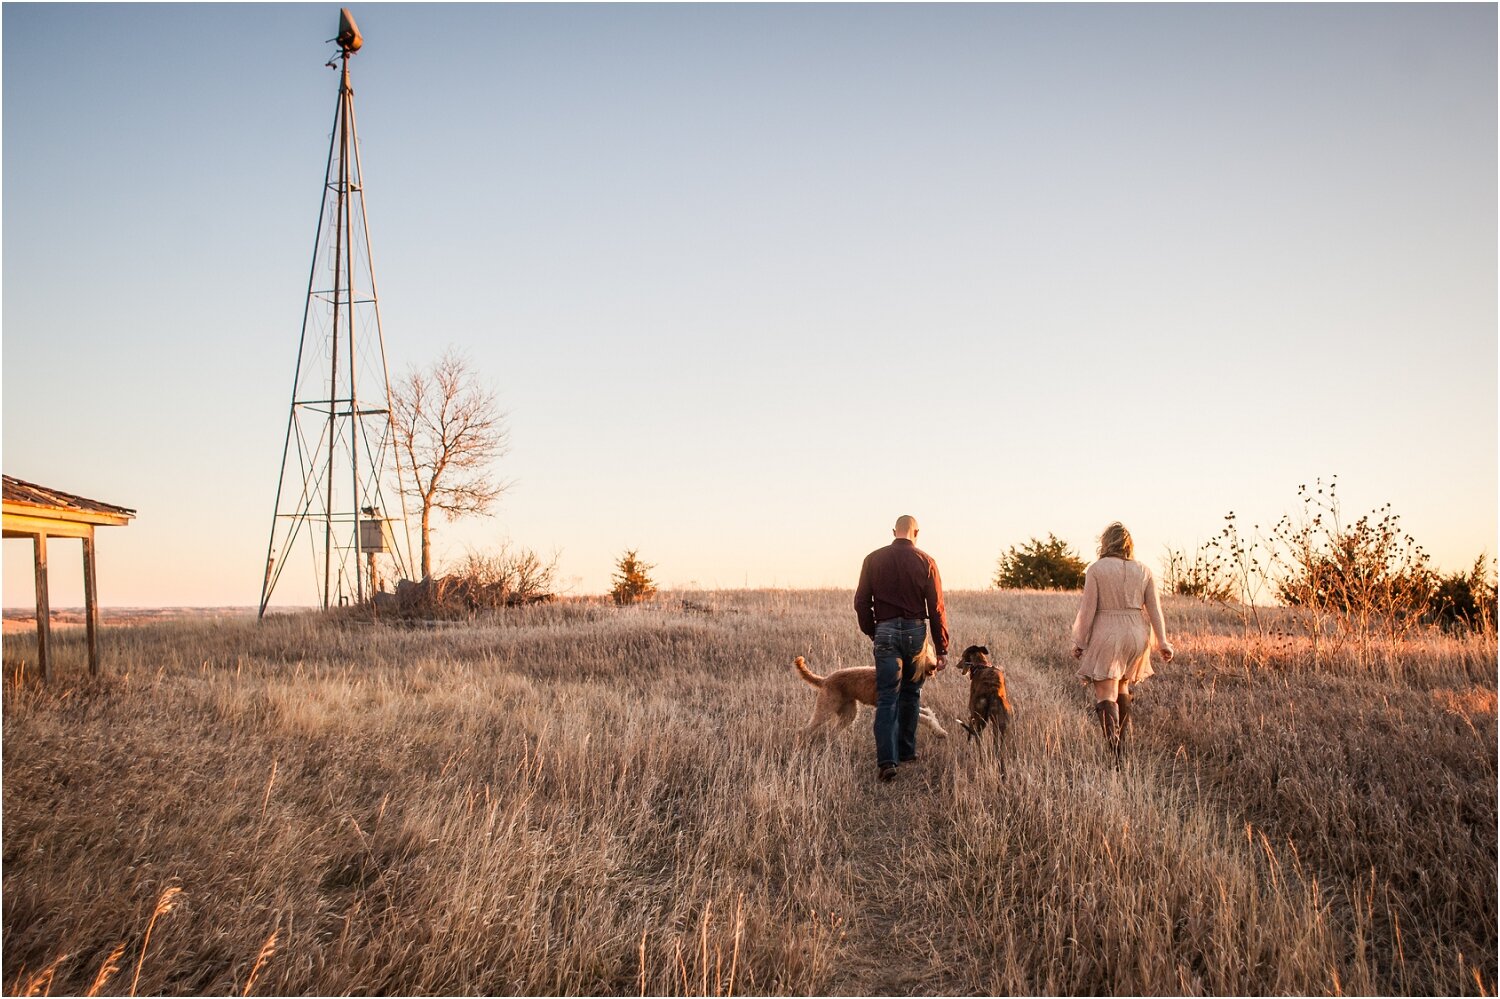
1113,631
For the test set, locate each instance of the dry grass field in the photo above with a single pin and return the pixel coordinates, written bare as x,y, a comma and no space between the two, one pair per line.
578,798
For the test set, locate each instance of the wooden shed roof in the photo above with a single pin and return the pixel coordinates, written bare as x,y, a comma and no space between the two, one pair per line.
29,506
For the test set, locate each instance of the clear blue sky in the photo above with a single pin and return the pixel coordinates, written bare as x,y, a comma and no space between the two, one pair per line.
753,280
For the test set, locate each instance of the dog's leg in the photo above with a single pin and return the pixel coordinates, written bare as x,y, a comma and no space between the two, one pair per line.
846,715
821,713
979,716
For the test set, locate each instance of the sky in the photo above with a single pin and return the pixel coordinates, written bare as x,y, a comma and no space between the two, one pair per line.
752,281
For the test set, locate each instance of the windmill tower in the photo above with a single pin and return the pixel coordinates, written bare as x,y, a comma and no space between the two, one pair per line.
339,458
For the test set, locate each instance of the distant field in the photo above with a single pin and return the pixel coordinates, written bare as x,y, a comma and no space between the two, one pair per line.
18,620
576,798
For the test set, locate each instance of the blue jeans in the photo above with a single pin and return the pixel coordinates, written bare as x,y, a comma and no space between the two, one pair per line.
897,697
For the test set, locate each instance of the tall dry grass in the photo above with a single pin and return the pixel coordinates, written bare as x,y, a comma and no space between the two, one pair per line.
580,798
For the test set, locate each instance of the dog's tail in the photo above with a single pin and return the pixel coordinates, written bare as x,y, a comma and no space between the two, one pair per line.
807,674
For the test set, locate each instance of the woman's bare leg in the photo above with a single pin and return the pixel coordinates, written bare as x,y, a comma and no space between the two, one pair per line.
1126,702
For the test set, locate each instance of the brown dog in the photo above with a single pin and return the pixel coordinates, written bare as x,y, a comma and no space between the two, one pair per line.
841,692
988,704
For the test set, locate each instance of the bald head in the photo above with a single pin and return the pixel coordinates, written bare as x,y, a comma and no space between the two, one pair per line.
906,527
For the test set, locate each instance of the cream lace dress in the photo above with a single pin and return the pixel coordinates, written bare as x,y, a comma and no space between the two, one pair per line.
1116,621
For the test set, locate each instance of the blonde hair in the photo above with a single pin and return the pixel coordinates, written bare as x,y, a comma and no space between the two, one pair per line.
1116,542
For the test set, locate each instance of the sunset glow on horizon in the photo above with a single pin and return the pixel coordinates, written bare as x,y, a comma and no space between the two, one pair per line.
752,281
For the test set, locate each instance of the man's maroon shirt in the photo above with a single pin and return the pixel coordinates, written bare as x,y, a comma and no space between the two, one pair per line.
901,580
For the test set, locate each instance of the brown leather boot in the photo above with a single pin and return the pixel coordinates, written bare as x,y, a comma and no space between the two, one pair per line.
1127,701
1109,721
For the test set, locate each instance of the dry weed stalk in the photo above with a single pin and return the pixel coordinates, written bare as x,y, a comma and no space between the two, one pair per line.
739,932
266,950
643,960
106,970
39,984
266,800
164,905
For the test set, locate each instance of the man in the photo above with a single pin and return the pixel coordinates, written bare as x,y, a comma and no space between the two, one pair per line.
899,592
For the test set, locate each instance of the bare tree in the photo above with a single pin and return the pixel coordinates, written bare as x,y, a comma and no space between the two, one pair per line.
449,431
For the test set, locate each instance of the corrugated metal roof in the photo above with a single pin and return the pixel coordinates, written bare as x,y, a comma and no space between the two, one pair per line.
20,491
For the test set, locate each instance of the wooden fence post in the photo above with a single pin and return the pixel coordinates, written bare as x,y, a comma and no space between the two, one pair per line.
91,603
43,610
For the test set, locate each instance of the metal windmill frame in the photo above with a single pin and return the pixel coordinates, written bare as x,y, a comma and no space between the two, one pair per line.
340,448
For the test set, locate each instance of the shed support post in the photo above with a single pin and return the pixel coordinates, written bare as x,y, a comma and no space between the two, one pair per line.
91,603
43,610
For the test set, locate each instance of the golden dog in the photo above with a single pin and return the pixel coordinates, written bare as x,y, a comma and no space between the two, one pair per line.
841,692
